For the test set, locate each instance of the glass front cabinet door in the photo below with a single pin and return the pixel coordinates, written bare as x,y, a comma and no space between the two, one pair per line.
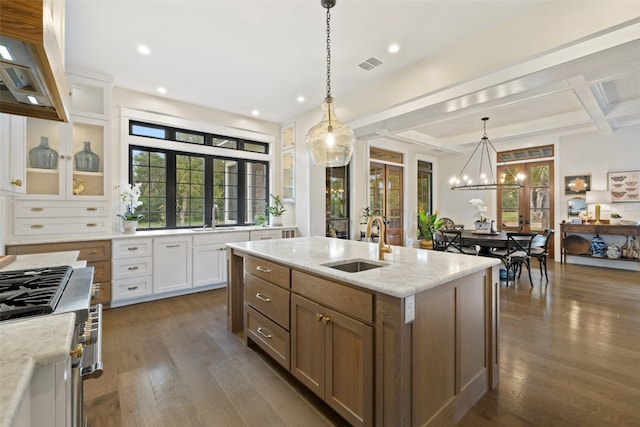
66,161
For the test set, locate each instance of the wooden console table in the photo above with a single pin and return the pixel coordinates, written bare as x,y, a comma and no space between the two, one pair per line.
601,229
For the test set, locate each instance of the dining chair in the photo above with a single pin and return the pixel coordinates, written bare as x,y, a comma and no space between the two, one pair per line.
448,224
517,252
451,241
540,252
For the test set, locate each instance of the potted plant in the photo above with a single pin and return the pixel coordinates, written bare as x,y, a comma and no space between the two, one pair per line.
616,218
276,210
427,225
130,196
261,220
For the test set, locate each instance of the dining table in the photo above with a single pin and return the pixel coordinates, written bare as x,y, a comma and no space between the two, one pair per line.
486,241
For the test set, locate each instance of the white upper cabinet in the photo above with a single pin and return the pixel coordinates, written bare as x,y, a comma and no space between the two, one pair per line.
12,170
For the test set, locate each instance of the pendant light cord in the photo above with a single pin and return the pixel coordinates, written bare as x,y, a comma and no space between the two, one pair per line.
328,53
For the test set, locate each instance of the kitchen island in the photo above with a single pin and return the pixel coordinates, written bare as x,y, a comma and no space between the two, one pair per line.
413,340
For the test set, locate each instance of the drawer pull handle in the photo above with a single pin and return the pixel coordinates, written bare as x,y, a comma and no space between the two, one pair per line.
263,298
132,288
92,209
92,224
132,248
37,209
173,246
264,270
266,238
37,226
92,252
133,268
17,182
262,332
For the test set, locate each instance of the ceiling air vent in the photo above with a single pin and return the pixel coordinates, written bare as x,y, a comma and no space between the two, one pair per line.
370,64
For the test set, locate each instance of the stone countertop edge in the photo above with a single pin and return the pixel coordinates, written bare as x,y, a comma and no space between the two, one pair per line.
49,259
140,234
408,270
26,344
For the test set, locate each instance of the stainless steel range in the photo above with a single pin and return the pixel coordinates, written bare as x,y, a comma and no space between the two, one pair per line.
54,290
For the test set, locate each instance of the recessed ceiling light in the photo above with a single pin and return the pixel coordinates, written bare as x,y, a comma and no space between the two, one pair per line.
162,90
32,99
5,54
300,98
143,49
255,113
394,48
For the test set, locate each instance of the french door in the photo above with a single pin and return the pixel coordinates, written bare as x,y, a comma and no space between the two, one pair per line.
385,198
530,208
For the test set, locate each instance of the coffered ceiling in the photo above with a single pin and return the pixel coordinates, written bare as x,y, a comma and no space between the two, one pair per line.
242,55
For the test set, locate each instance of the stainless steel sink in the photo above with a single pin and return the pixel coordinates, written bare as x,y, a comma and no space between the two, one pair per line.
355,265
213,229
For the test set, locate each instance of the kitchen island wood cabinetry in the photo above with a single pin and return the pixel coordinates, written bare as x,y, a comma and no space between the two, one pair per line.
411,343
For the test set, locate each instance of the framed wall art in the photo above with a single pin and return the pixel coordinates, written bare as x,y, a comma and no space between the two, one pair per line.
624,186
577,184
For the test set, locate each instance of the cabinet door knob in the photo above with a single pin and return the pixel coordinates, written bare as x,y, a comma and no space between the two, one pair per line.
319,316
326,319
17,182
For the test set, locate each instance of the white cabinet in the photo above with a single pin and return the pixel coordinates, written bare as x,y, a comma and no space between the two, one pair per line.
51,217
91,96
269,234
210,257
132,267
12,170
63,175
171,263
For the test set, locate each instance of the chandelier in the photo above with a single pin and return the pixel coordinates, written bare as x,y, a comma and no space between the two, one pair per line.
330,142
484,179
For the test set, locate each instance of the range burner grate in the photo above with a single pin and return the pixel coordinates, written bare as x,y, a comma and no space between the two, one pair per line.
32,291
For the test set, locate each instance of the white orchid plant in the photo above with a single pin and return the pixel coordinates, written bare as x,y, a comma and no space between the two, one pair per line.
130,196
480,210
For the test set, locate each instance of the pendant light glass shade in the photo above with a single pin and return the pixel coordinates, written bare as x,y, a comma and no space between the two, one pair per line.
330,142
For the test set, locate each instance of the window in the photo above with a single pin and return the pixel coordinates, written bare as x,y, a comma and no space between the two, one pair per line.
425,190
187,190
192,137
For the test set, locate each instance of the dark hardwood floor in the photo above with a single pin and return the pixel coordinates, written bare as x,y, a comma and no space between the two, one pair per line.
569,354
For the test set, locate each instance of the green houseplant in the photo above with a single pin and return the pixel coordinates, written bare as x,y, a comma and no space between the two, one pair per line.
276,210
427,225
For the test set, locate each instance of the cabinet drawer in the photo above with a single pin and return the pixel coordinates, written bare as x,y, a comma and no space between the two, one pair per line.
268,299
130,288
350,301
269,336
101,270
34,227
268,271
133,267
266,234
52,209
128,248
95,251
101,293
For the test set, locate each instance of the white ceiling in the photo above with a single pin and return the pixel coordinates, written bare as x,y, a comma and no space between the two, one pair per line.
241,55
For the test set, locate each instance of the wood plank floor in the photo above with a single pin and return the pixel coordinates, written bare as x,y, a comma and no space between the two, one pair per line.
570,356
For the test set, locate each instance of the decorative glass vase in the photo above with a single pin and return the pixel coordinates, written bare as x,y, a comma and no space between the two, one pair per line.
43,156
86,160
129,226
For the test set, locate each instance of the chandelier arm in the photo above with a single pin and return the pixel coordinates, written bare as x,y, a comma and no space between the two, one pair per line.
489,144
328,52
469,159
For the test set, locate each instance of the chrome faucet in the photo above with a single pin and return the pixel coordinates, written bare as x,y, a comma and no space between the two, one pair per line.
214,211
382,247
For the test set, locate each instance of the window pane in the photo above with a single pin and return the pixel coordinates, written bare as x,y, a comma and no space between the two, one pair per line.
146,130
192,138
256,191
255,147
224,143
149,170
189,191
225,191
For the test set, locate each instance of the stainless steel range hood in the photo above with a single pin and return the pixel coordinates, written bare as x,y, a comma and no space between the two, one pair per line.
32,81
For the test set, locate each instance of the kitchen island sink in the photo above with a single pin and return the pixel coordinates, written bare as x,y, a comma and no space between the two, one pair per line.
411,340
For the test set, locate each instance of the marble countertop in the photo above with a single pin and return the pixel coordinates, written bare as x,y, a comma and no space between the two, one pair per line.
143,234
26,344
50,259
408,270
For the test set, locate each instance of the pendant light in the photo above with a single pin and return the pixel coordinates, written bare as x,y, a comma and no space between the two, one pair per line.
330,142
485,178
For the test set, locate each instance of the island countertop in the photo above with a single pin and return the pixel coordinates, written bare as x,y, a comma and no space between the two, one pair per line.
407,271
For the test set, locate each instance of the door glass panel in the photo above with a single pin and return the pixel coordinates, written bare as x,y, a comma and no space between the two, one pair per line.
539,197
510,200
